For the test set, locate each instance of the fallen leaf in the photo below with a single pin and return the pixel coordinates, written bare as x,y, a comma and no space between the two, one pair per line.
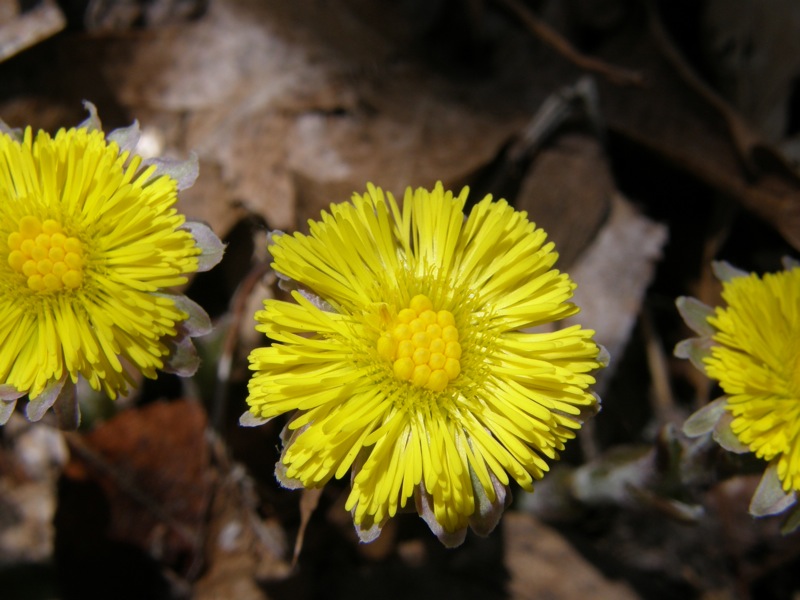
152,466
624,252
568,191
543,566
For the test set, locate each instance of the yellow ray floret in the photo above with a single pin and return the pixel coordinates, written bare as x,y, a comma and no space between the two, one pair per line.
88,237
756,359
406,361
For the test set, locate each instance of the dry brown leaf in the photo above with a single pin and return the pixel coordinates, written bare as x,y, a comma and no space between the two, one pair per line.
20,29
295,106
543,566
613,275
567,191
152,465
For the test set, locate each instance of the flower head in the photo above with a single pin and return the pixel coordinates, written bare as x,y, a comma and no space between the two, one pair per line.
751,346
405,358
90,244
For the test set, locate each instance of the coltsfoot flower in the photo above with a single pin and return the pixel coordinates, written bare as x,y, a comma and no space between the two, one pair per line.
751,347
90,245
406,358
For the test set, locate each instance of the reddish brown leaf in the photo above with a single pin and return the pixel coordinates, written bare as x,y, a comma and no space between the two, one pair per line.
152,465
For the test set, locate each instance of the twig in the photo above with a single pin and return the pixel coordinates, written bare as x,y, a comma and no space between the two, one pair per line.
552,38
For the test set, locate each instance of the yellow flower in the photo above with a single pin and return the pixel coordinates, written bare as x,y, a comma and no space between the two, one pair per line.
90,243
751,347
406,358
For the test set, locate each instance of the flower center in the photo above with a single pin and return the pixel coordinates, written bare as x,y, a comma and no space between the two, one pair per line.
49,259
422,345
